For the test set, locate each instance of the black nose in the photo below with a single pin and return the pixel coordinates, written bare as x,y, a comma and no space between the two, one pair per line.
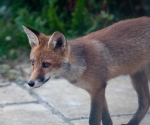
31,83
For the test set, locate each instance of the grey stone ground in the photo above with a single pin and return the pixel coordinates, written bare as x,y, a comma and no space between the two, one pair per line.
59,103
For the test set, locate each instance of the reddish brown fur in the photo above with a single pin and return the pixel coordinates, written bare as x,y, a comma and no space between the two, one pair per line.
88,62
44,53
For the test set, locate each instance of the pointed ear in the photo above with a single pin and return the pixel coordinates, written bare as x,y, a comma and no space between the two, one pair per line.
57,41
32,36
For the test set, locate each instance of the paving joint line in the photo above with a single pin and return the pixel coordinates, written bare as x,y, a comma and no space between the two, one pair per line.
117,115
78,118
18,103
44,103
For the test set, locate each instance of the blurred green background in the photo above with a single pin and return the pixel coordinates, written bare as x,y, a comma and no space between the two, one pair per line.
72,17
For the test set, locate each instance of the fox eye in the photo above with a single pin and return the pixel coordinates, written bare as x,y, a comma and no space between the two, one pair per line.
32,62
46,65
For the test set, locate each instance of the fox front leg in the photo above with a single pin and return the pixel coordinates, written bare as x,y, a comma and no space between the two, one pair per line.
97,104
106,119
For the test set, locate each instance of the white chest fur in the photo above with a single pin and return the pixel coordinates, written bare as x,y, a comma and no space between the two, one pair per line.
81,84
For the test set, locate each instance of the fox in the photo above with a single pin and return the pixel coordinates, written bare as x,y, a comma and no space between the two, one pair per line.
90,61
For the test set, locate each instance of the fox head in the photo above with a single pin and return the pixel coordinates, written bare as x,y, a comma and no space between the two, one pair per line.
49,55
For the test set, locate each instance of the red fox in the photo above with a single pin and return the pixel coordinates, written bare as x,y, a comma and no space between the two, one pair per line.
90,61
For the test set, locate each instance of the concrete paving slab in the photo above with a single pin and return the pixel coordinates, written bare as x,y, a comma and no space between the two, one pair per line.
29,114
14,94
81,122
71,101
116,120
121,97
125,119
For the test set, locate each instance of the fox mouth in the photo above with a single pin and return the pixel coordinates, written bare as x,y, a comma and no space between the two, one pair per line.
41,83
46,80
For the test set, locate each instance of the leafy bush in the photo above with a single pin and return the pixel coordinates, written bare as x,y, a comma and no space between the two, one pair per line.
72,17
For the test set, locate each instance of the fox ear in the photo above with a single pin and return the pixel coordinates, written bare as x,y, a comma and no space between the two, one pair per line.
32,36
57,41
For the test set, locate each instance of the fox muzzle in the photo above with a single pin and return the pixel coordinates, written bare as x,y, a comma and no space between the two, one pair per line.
38,82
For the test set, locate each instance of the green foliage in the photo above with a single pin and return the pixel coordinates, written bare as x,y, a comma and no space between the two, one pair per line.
72,17
78,20
55,22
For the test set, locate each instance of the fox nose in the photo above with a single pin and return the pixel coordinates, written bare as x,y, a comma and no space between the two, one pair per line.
31,83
